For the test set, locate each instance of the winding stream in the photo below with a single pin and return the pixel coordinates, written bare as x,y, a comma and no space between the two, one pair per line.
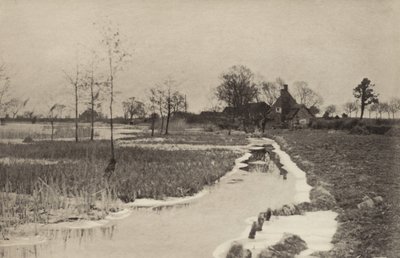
199,227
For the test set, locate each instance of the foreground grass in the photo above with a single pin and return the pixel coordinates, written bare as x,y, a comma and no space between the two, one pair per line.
29,192
355,166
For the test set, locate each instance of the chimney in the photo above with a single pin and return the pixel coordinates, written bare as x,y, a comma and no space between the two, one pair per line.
284,89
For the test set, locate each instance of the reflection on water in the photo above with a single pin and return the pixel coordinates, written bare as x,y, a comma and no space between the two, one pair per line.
63,236
191,229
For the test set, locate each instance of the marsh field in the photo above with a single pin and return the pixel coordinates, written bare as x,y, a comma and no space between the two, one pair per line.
61,183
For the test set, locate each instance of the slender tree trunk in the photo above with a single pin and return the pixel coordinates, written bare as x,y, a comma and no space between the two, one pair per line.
185,104
92,110
169,110
153,120
111,109
168,117
162,124
76,111
52,129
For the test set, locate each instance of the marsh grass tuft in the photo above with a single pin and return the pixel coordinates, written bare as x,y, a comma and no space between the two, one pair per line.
75,187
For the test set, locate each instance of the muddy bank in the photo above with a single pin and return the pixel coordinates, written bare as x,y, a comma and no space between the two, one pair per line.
198,225
356,170
307,216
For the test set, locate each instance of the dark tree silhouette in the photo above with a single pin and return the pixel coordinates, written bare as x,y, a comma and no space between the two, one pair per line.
237,87
365,93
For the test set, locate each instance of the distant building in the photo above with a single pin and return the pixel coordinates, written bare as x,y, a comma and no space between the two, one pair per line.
286,112
251,114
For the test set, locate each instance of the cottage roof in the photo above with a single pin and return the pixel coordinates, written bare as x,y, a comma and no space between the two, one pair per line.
291,100
258,107
292,113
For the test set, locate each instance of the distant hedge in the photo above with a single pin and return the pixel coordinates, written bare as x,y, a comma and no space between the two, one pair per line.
356,126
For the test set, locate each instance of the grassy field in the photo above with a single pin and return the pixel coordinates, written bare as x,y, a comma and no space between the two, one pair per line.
354,166
70,177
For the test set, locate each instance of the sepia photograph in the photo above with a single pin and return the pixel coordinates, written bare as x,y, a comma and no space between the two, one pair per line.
199,128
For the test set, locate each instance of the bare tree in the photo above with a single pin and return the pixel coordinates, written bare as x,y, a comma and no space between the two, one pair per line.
75,82
15,105
307,96
349,107
383,107
133,107
372,108
54,111
116,57
157,99
4,89
394,106
178,102
270,91
215,104
330,110
153,115
169,102
94,85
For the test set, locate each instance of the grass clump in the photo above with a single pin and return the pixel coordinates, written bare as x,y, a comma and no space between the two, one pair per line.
32,191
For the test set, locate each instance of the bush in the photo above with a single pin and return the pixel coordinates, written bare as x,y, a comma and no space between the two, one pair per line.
349,123
27,139
359,130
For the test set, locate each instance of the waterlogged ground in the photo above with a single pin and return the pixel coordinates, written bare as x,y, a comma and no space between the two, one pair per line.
16,132
192,229
201,226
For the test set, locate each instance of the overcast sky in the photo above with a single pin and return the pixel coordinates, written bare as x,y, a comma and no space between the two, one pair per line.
330,44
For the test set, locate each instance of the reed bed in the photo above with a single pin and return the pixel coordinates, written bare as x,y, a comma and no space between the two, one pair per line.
75,187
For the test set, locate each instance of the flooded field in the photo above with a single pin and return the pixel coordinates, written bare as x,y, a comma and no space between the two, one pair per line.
195,227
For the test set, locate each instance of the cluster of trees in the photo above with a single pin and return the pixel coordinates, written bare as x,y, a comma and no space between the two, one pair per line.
164,100
390,108
366,100
8,106
238,87
92,82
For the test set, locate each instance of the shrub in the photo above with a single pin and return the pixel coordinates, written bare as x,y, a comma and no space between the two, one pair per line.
28,139
359,130
349,123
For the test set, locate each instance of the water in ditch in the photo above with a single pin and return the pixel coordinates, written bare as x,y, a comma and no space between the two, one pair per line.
192,229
